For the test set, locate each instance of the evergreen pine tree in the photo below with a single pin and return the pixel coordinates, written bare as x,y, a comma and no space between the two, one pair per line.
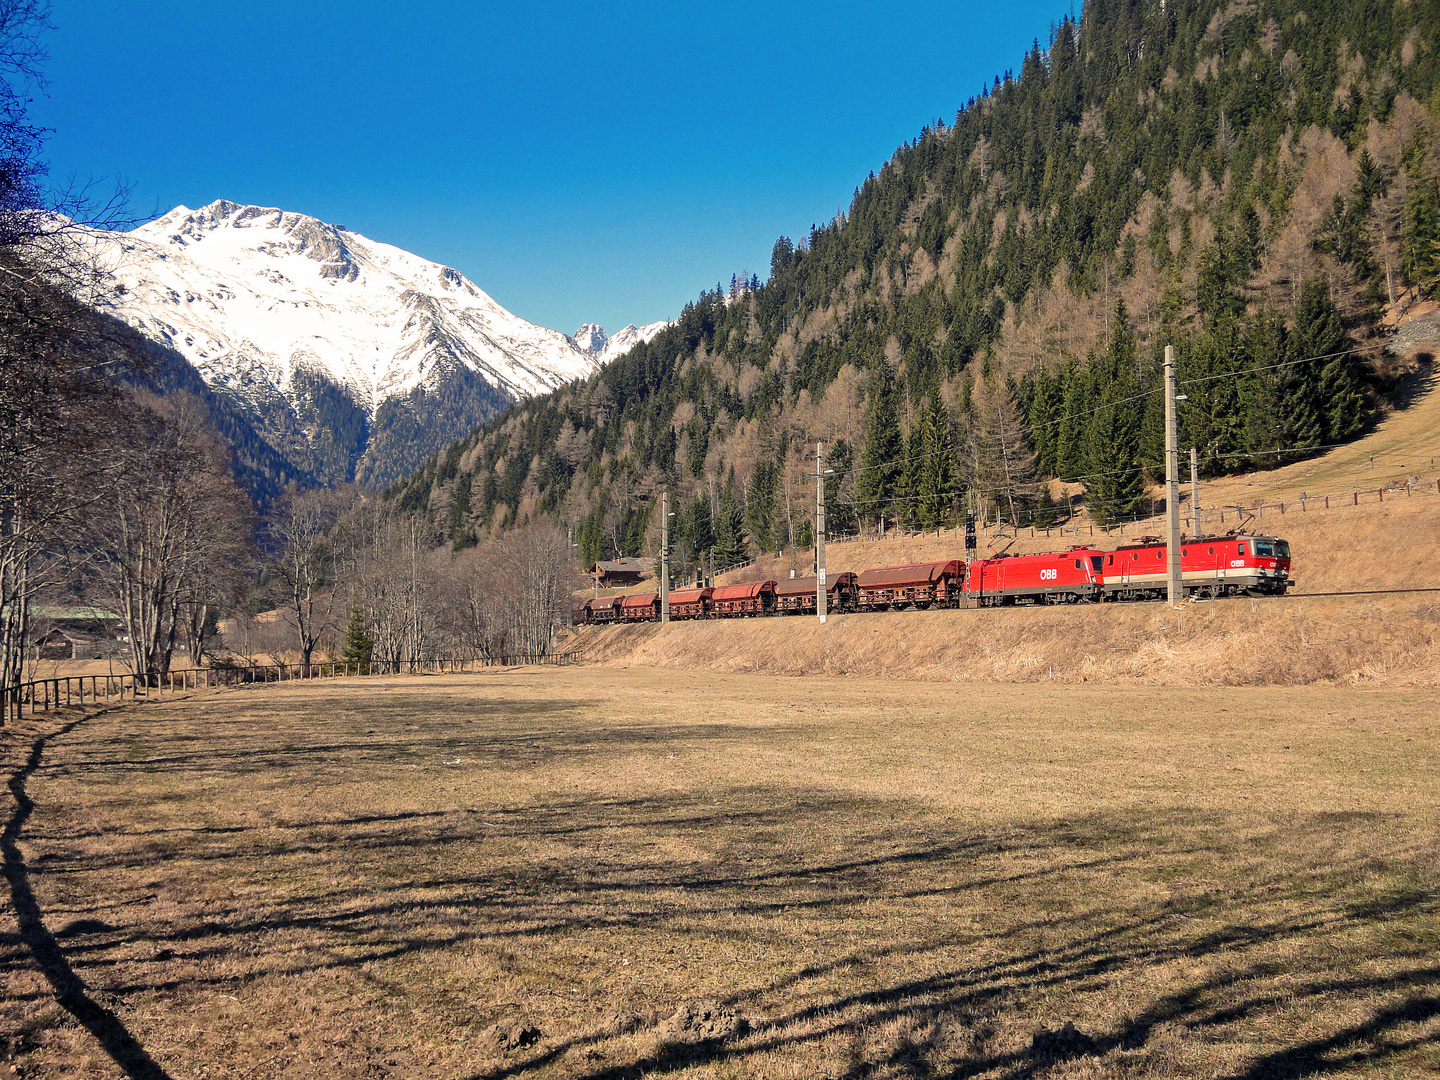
1044,406
697,529
934,485
1046,513
839,511
760,506
1211,420
1262,392
1113,485
592,535
881,467
359,645
1074,420
906,497
1420,251
1330,370
729,527
1152,415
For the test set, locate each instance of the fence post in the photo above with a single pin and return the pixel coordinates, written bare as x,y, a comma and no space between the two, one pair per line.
1381,493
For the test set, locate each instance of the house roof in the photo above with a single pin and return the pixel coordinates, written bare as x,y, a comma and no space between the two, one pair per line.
620,566
46,611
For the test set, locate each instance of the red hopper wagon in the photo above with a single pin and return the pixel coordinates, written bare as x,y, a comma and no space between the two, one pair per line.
797,595
922,585
601,609
640,607
690,603
747,598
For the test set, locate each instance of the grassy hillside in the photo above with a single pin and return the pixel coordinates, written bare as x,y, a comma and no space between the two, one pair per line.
1391,640
1251,181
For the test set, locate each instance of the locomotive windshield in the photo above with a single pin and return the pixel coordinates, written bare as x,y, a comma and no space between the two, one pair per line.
1272,549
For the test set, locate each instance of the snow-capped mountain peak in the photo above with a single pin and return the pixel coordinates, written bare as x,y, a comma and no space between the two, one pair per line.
264,302
590,339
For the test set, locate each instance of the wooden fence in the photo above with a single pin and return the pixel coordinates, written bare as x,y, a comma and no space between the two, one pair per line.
41,695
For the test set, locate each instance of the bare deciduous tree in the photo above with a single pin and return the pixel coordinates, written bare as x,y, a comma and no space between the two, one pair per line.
174,535
300,531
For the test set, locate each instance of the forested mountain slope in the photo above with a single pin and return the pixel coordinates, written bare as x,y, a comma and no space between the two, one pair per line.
1250,181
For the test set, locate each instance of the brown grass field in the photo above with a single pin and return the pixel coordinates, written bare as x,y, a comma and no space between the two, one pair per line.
392,877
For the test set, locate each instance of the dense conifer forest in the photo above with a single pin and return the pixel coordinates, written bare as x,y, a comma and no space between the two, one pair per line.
1251,181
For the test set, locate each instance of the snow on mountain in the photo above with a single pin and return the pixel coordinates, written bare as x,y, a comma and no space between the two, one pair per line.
247,291
626,339
592,340
272,307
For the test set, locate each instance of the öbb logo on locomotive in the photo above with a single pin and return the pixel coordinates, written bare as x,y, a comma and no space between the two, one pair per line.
1210,566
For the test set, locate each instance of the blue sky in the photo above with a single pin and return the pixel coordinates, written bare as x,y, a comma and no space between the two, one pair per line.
578,161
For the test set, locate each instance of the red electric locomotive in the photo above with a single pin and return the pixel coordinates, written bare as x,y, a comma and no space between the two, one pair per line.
1209,566
1056,577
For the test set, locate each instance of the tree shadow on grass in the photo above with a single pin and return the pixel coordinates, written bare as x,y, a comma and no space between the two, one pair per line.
69,989
1062,927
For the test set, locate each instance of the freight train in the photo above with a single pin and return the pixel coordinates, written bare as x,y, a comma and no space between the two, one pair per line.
1210,566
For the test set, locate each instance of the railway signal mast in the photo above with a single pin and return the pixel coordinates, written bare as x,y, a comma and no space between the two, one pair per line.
821,589
1175,584
664,556
1197,532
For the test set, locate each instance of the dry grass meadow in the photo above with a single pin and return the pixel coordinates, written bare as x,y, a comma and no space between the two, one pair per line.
532,872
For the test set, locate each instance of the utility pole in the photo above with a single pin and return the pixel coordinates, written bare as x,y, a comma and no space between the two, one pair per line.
1195,492
1175,583
665,556
821,590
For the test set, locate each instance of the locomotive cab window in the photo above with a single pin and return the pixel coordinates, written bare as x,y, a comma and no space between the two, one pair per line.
1282,549
1264,549
1239,549
1097,562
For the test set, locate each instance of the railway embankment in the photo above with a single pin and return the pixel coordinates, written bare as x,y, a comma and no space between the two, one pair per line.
1382,636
